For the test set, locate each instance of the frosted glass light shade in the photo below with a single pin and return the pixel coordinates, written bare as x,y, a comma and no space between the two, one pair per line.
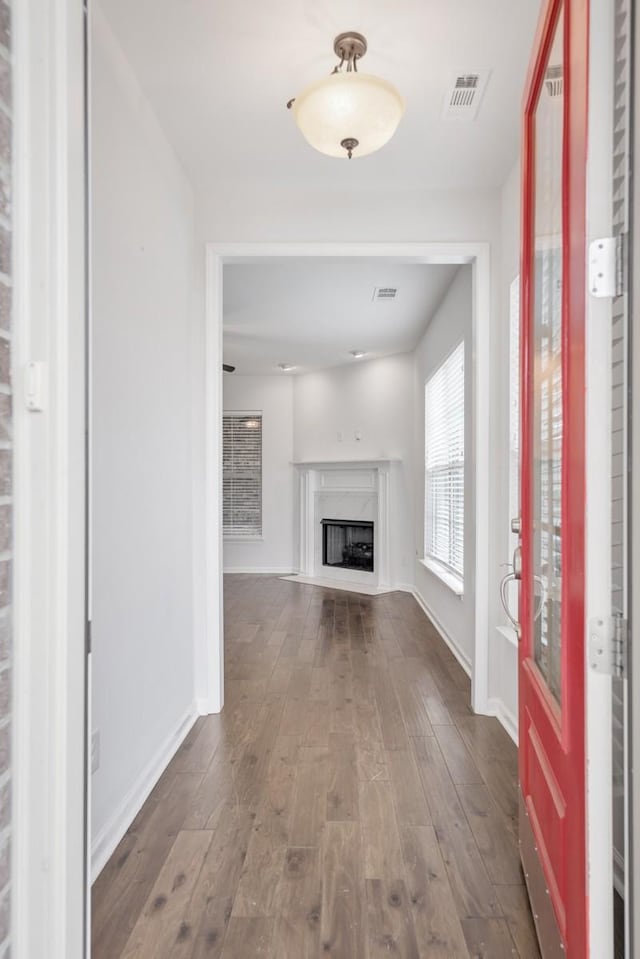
347,106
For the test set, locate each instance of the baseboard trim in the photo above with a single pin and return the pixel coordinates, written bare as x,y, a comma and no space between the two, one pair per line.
104,844
451,643
205,707
495,707
258,570
403,587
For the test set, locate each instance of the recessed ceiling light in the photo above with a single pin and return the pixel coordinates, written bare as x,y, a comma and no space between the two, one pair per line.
286,367
358,354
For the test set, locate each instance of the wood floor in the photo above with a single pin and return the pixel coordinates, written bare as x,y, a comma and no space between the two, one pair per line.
345,804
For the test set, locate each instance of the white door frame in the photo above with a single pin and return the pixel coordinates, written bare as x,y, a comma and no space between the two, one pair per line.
598,487
48,890
211,652
633,867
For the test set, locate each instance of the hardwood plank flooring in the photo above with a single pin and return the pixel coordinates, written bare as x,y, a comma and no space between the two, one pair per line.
346,803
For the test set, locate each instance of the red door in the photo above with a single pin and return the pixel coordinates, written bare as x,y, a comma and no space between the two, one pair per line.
552,654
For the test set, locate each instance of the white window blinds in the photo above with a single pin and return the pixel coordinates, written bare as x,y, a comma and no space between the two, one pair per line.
242,474
444,463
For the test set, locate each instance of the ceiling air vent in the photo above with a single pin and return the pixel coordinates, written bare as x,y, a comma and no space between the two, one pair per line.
464,95
384,293
553,80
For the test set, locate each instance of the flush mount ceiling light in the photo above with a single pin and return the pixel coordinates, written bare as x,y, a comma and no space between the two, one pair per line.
286,367
348,113
358,354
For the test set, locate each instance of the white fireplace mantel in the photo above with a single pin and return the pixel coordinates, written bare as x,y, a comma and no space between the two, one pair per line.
364,482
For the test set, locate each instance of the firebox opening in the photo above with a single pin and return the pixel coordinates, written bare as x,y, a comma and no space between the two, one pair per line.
347,544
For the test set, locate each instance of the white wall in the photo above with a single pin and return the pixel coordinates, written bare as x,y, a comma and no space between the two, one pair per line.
273,396
288,213
370,396
143,265
374,398
452,323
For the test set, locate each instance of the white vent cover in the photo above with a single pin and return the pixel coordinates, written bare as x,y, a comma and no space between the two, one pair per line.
385,293
463,97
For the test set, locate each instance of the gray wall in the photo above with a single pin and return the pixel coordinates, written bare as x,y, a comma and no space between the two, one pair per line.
5,474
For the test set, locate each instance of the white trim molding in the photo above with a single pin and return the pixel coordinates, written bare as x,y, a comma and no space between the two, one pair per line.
363,485
599,771
49,855
210,644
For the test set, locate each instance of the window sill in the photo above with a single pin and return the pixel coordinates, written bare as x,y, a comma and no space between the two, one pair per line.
453,582
243,539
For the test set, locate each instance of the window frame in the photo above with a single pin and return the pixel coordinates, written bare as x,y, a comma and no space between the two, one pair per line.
449,574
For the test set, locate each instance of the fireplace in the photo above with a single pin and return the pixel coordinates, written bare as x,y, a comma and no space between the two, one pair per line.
347,544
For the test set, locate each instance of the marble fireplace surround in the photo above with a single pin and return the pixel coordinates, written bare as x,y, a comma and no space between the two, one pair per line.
350,490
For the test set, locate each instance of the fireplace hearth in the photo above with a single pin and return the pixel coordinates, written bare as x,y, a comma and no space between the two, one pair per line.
347,544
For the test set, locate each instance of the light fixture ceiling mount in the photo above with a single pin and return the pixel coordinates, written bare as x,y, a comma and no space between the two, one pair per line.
348,113
349,46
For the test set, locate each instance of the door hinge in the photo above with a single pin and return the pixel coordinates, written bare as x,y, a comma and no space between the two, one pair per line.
87,637
621,264
608,646
606,266
35,375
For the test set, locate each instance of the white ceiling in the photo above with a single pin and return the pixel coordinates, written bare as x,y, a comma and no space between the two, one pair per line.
312,312
219,73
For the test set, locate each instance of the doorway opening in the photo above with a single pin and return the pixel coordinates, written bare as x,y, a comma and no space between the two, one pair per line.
475,257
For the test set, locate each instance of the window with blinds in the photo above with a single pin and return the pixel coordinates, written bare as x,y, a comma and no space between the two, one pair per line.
444,464
242,474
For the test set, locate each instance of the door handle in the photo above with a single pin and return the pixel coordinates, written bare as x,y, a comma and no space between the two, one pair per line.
504,582
516,576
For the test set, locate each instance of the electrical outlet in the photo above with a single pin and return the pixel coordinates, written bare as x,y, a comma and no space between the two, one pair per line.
95,751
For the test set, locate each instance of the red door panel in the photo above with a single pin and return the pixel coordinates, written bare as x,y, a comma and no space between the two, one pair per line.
552,655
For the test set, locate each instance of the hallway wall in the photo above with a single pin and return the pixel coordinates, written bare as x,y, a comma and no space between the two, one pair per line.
273,396
452,323
143,267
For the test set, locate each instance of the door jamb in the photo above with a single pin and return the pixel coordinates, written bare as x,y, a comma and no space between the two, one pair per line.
599,211
633,867
210,644
48,888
